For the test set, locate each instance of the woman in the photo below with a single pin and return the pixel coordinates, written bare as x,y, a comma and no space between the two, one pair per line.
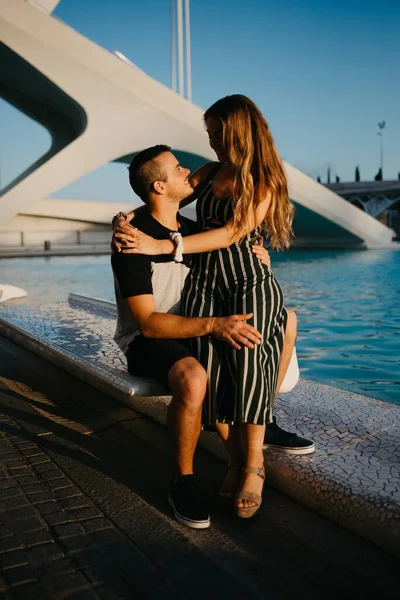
240,196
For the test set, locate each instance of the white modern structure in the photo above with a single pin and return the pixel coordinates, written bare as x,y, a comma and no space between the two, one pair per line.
99,108
10,292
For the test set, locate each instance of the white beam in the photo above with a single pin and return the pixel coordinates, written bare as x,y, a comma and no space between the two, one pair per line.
173,45
180,47
188,52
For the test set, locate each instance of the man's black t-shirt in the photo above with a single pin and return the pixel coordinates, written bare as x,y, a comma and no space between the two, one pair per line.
139,274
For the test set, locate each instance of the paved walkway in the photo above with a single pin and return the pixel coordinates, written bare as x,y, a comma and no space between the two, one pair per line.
55,542
83,512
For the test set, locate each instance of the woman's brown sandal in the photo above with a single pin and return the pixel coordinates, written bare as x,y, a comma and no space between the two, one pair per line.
248,512
227,491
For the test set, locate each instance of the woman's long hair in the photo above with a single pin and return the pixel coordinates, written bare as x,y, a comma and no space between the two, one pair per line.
251,150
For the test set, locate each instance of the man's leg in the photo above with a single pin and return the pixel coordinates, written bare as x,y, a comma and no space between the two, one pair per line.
171,364
187,381
275,437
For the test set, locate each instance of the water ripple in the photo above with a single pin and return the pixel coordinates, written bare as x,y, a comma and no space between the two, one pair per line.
348,307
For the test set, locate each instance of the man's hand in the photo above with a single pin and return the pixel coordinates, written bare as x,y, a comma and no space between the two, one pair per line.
262,253
234,331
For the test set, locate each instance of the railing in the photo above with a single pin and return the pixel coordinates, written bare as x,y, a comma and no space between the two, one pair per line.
375,206
61,237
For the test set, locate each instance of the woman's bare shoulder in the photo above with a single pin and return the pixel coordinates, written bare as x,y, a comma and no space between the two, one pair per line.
202,173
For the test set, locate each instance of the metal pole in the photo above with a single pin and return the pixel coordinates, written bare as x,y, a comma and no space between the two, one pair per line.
180,46
381,127
188,52
173,46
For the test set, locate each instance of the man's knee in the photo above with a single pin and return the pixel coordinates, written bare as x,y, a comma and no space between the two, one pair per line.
291,326
188,382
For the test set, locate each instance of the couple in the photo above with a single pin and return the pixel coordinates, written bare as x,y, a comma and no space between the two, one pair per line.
224,359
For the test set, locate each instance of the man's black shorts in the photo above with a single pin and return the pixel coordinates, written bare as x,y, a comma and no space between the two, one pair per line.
154,358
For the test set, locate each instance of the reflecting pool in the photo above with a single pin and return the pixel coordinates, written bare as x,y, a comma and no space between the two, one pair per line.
348,307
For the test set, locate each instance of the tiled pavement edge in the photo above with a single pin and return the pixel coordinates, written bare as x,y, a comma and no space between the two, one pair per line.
353,477
54,542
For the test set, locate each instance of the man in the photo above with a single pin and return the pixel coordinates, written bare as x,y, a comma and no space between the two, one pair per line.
149,325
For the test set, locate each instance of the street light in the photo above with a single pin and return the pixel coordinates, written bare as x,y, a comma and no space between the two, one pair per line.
381,126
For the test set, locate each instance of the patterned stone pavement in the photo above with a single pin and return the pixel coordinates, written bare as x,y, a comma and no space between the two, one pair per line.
352,478
83,515
55,543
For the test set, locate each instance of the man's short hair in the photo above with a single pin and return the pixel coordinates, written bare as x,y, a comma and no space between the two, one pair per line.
144,171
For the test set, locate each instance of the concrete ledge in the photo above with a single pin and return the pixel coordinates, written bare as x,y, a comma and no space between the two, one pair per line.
353,477
78,250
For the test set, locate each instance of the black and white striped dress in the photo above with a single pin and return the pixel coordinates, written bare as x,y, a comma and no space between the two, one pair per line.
230,281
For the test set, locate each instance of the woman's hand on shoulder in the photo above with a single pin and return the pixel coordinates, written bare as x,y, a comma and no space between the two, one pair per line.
201,174
197,180
130,240
133,241
124,233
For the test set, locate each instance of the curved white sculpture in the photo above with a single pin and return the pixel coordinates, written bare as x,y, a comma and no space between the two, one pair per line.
101,109
10,292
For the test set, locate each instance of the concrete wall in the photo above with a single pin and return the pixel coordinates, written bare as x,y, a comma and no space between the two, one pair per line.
34,231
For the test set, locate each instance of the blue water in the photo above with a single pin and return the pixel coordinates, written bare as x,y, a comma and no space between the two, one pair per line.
348,307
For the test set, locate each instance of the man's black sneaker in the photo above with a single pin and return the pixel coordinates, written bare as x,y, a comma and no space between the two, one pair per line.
187,503
289,443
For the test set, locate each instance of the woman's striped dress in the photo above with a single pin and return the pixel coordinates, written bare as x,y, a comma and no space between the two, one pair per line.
230,281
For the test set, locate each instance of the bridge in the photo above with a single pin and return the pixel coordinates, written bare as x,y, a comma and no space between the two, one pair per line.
374,197
99,108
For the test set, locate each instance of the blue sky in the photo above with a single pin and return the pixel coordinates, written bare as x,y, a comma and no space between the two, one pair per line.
323,74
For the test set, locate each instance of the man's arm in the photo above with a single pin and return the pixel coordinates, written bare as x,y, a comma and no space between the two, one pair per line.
233,329
133,273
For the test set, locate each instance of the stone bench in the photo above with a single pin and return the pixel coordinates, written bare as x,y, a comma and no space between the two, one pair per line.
352,478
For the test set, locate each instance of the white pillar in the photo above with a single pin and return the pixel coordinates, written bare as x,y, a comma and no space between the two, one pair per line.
173,46
180,47
188,53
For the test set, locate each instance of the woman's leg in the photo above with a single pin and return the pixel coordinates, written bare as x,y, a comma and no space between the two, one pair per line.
253,437
232,440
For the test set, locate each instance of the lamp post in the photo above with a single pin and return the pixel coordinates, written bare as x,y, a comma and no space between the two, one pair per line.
381,126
